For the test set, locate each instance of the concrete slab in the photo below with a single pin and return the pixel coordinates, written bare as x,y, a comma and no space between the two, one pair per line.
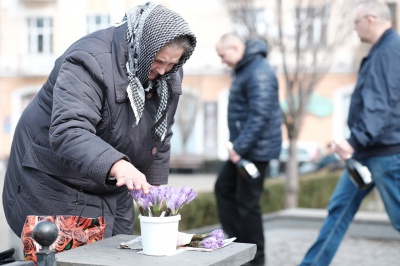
105,252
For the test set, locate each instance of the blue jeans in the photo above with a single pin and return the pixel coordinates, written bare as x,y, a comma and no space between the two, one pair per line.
346,200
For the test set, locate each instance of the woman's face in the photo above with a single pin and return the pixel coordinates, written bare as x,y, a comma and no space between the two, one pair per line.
165,60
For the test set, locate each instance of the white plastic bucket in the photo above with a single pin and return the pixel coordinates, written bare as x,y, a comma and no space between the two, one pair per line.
159,234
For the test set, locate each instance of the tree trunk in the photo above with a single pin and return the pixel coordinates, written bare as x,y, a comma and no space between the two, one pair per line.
292,177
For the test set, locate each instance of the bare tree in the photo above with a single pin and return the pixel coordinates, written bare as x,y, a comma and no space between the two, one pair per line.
307,54
309,34
240,13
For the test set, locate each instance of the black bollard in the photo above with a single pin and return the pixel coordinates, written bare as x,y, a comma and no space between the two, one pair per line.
45,233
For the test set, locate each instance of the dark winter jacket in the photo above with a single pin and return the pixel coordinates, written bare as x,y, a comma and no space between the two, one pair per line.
79,124
254,115
374,113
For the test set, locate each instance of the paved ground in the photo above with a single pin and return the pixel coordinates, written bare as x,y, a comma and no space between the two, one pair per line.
285,246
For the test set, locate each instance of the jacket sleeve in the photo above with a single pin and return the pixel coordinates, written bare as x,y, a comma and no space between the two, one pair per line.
379,95
262,91
77,103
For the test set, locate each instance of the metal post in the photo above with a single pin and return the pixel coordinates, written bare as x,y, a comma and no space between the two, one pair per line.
45,233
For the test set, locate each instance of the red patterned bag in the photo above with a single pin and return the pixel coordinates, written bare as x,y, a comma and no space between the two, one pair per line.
73,231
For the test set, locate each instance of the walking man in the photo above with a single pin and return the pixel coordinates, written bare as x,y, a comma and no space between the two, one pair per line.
254,122
374,141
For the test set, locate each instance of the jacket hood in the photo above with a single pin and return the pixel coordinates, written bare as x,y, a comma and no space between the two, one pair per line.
253,48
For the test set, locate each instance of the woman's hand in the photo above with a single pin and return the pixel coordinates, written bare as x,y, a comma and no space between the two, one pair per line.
127,174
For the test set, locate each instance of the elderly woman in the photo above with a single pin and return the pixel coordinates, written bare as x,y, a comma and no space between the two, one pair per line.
101,124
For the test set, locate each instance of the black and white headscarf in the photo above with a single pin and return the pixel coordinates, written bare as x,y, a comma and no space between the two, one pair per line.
149,28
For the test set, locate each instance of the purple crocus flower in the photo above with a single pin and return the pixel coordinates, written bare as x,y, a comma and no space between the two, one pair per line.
181,199
211,242
169,191
157,195
184,196
218,233
137,194
177,198
171,202
184,190
144,202
141,199
155,200
188,193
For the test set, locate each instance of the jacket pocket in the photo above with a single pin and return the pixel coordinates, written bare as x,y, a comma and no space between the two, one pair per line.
43,159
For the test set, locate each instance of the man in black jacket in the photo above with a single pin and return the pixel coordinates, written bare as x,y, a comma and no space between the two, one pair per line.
254,122
373,120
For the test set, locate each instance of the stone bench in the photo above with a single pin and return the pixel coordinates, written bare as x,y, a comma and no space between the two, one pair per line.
106,252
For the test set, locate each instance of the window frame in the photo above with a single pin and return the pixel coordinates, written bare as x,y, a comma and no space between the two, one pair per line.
95,22
40,35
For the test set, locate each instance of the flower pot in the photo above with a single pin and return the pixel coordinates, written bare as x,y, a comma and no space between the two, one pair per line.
159,234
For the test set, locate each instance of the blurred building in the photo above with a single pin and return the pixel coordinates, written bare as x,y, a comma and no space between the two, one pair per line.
33,33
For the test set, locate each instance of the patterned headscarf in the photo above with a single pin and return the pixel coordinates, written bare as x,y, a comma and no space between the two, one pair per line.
149,28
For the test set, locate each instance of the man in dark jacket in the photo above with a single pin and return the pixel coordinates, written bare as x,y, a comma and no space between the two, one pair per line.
373,120
101,124
254,121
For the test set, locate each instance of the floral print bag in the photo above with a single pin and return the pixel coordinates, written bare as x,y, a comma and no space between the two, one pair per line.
73,231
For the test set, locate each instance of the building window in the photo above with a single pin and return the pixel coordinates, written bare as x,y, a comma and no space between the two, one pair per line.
97,22
40,35
312,25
